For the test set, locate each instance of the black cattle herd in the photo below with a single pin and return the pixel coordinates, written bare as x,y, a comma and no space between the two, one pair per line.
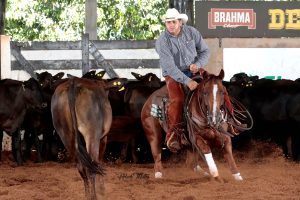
26,107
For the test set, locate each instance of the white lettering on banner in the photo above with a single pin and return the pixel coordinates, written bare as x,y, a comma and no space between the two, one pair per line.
236,17
231,18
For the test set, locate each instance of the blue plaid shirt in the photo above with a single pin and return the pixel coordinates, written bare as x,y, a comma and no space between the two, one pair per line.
178,53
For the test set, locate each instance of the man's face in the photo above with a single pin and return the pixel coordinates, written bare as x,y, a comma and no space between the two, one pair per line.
173,26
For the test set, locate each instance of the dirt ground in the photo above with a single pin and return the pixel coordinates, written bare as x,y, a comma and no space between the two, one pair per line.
267,175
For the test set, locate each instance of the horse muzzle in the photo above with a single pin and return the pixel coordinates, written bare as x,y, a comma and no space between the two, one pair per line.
214,120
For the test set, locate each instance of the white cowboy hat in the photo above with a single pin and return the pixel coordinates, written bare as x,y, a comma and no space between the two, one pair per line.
173,14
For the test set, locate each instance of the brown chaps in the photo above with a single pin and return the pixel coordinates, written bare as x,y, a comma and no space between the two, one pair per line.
175,107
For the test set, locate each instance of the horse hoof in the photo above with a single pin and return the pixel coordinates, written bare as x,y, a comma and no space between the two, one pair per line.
218,179
158,175
198,169
237,177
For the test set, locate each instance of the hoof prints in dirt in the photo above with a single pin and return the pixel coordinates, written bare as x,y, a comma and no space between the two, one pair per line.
15,181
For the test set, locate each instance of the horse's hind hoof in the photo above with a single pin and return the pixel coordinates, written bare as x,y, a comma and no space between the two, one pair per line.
158,175
218,179
199,170
237,177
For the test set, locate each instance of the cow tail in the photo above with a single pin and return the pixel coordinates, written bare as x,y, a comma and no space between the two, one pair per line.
82,154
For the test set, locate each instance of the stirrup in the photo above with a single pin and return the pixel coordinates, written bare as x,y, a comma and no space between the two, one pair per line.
172,143
183,140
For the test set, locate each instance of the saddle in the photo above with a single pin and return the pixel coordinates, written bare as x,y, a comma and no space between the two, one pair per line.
159,111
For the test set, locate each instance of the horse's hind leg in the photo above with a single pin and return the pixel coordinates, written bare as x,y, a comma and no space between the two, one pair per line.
154,136
84,175
230,160
89,181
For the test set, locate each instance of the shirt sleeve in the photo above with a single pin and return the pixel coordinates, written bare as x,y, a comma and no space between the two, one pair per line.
166,61
201,48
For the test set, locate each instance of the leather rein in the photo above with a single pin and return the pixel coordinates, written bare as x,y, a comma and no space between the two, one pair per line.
193,122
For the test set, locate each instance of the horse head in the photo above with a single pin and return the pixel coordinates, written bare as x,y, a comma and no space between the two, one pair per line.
211,98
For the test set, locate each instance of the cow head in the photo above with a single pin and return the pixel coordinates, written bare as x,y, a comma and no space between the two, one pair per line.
93,75
243,79
33,94
149,80
46,80
117,83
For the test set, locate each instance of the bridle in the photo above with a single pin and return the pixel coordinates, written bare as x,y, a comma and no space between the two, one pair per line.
202,122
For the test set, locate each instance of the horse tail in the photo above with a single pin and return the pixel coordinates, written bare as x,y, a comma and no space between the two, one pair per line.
82,154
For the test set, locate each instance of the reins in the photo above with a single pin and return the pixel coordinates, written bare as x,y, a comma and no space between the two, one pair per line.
193,123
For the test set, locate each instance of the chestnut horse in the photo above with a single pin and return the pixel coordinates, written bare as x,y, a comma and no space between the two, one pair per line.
206,119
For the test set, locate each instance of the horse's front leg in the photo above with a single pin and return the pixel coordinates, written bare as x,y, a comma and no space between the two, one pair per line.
205,149
230,160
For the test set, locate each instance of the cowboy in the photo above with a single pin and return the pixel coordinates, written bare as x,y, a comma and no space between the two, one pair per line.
183,53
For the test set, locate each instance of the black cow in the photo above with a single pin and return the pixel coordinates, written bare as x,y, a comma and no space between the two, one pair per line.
243,79
127,105
16,98
39,123
137,92
82,117
275,109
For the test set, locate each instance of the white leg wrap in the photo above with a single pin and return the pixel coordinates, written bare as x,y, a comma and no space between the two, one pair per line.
158,175
211,165
237,177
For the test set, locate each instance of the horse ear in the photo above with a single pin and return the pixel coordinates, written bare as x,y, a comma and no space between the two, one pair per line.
221,74
205,74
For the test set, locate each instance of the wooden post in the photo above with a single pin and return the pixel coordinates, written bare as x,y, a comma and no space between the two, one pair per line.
28,67
5,60
85,53
2,16
91,18
100,59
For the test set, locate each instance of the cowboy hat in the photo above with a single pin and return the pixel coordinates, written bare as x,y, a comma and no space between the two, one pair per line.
173,14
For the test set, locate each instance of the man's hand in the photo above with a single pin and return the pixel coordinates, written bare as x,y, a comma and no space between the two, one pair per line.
192,85
194,68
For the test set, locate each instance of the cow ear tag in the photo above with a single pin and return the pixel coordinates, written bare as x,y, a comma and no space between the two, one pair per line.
121,89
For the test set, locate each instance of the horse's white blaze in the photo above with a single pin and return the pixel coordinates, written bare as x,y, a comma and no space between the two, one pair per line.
215,90
211,165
